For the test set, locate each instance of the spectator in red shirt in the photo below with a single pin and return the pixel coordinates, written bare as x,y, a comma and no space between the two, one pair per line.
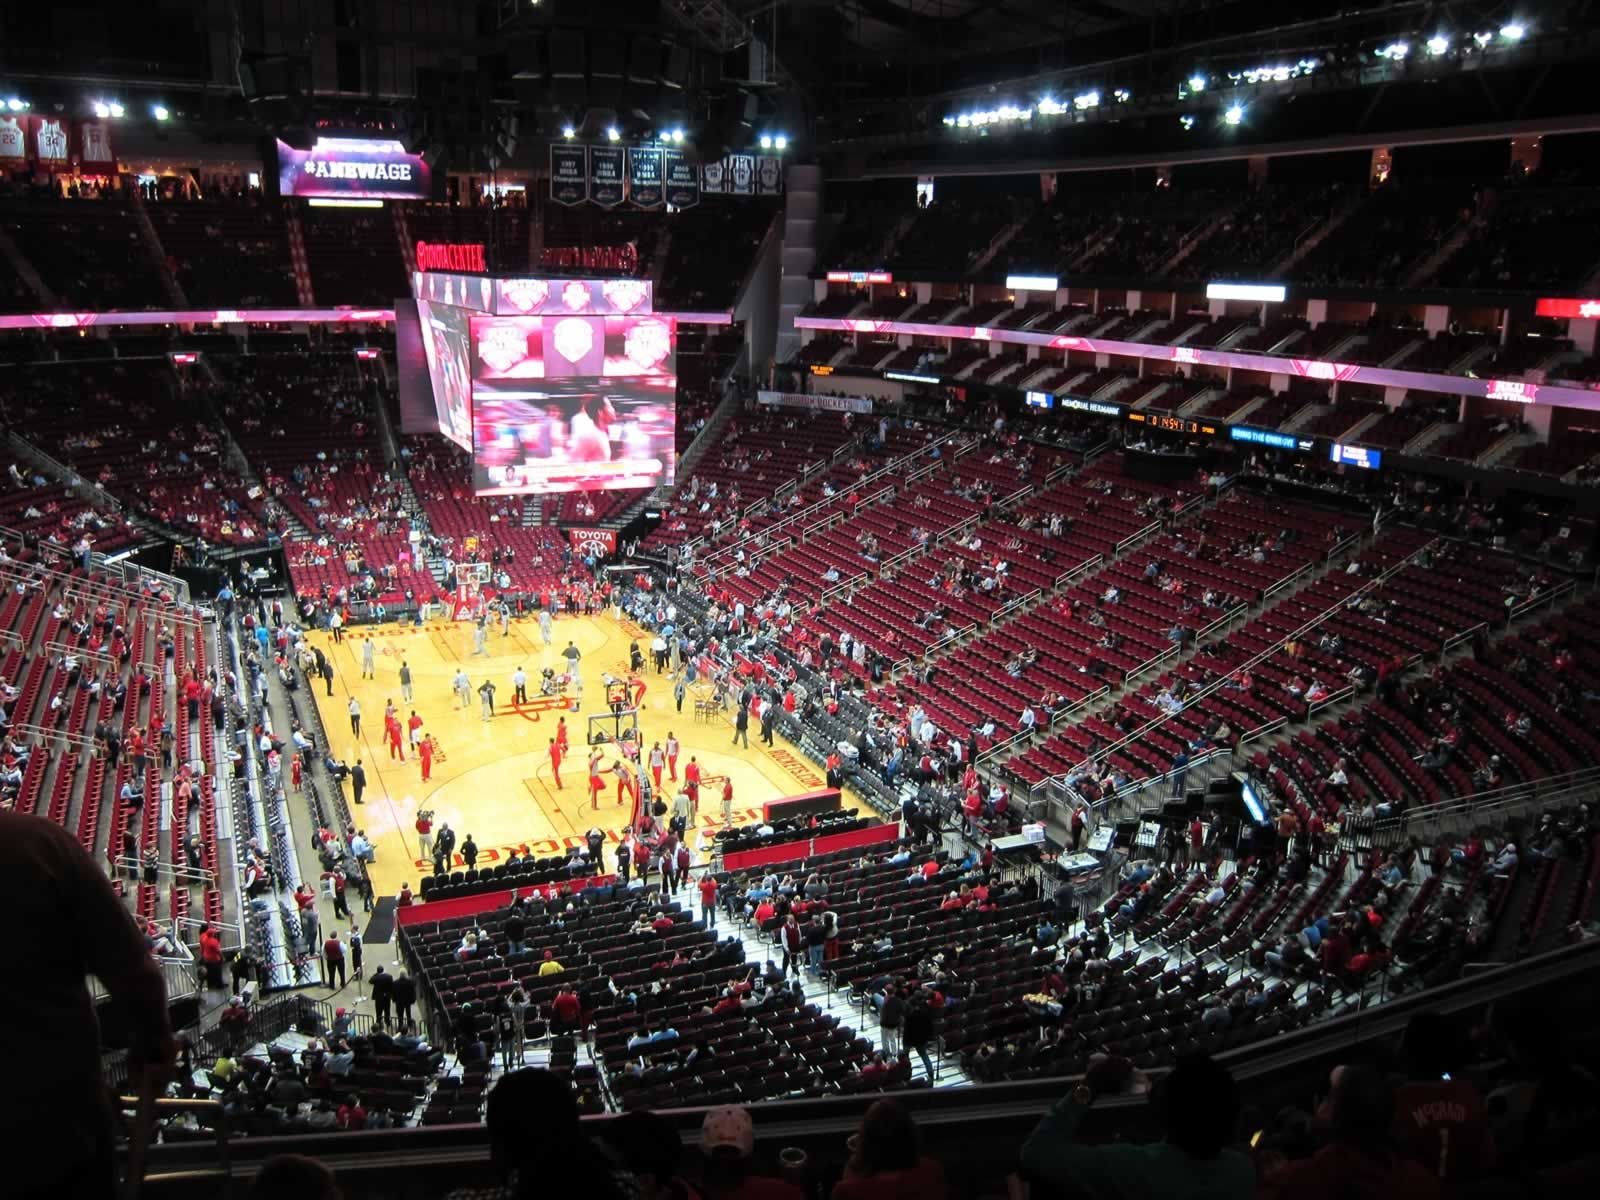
567,1008
708,900
211,956
887,1161
1362,1159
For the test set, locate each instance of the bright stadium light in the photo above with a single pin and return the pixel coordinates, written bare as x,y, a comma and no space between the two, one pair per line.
1438,44
1049,106
1186,121
117,110
160,112
16,105
613,134
1086,100
676,137
102,109
1197,83
1234,115
1512,31
1394,51
781,142
766,141
568,132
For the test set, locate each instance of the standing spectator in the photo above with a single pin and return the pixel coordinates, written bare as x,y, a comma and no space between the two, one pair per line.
890,1019
1198,1104
708,900
211,958
919,1029
741,726
469,852
405,995
793,942
333,958
382,995
358,779
887,1160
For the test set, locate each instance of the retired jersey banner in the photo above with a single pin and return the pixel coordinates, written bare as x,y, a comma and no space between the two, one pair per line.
569,174
606,173
49,141
714,177
598,542
644,176
741,175
94,144
769,176
13,139
682,179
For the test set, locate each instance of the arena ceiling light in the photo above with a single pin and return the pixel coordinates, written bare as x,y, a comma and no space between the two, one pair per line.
1279,73
1233,115
1513,31
17,105
1086,100
1438,44
1394,51
613,134
161,112
568,132
1197,83
1032,283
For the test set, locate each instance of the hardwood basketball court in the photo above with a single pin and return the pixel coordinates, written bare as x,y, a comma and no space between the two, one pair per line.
492,779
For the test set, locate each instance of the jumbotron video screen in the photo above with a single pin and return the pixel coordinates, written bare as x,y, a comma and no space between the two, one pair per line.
573,384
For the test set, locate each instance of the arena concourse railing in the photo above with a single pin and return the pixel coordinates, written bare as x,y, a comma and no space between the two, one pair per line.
977,1130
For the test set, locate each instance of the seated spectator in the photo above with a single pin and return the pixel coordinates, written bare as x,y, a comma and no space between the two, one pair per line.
1362,1158
887,1161
727,1142
1198,1105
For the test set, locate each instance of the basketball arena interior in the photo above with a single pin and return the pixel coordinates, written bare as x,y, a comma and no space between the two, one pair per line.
746,599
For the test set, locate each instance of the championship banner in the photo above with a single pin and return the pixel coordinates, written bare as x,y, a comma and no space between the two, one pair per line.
644,176
569,174
714,177
741,175
769,176
13,139
606,173
598,542
849,404
48,141
94,143
682,179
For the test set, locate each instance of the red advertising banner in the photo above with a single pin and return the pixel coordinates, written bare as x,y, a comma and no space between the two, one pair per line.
623,258
599,542
13,138
50,140
1559,307
450,256
94,144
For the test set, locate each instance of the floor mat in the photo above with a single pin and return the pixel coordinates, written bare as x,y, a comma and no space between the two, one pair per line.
380,929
